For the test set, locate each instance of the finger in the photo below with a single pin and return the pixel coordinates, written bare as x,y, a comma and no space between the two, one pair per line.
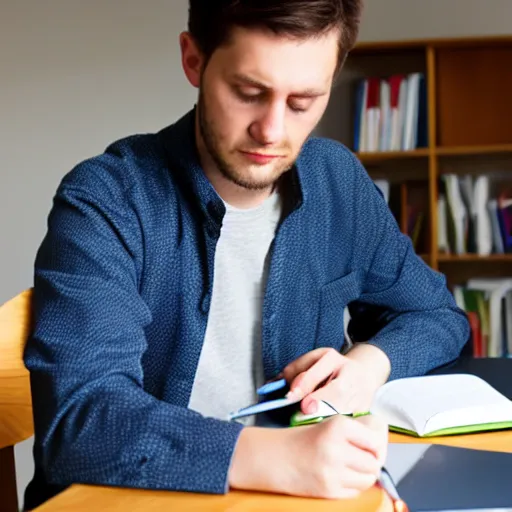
362,436
328,365
373,422
303,363
381,429
332,393
351,479
346,494
361,461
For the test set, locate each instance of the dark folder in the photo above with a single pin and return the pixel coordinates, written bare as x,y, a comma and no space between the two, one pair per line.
448,478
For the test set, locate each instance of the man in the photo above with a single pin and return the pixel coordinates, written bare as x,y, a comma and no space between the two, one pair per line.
183,269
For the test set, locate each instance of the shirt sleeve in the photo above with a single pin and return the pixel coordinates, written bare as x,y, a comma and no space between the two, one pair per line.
94,422
405,306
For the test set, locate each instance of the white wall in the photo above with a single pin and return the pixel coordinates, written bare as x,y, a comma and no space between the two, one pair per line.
78,74
413,19
74,76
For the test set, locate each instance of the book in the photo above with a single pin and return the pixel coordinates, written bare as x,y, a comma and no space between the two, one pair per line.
360,105
442,226
496,290
434,405
409,134
397,84
422,127
497,240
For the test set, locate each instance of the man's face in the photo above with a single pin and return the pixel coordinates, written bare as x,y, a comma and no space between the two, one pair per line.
260,98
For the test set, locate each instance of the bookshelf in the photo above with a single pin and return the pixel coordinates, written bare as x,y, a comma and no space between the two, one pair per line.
469,102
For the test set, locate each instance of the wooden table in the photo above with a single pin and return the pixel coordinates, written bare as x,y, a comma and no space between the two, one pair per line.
83,498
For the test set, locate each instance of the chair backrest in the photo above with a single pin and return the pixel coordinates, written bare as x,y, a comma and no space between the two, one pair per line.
15,399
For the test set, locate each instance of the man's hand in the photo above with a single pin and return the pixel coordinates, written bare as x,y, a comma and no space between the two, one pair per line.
347,382
337,458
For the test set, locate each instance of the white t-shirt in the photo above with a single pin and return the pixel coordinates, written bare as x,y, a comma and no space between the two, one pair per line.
230,366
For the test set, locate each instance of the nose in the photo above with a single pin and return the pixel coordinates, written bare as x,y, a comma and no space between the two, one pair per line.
270,126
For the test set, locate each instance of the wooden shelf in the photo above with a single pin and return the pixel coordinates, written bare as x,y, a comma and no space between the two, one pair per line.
449,258
469,107
473,150
437,43
380,156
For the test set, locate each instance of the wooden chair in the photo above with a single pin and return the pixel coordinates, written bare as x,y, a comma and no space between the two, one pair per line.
15,399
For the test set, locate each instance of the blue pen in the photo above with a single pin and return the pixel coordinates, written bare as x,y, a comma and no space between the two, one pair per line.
270,387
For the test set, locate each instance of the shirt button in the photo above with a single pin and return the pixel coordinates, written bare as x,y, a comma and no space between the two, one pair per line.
212,209
212,231
205,303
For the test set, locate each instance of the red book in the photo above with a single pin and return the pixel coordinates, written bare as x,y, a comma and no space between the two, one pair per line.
373,100
394,83
476,333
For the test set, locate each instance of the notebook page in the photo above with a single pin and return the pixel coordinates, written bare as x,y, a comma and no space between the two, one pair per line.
418,399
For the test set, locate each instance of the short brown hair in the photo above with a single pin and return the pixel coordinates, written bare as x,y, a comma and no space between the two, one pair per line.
211,21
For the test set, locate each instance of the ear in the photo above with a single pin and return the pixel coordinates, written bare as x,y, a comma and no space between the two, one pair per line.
191,59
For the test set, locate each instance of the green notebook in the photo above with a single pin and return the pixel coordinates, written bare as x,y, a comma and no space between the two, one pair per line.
435,405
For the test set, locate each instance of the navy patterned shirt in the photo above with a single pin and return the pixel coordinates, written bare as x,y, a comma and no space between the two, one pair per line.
122,290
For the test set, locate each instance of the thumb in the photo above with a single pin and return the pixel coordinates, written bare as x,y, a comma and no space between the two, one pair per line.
340,400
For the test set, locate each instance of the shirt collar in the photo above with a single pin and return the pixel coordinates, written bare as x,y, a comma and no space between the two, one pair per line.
181,151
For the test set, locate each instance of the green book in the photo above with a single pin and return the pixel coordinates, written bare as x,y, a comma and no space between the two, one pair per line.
324,411
434,405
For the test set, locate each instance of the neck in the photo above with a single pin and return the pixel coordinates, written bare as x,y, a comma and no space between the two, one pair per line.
230,192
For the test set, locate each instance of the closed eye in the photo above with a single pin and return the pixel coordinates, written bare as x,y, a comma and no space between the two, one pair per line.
299,107
251,95
301,103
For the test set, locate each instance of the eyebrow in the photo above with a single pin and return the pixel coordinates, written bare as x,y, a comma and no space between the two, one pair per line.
306,93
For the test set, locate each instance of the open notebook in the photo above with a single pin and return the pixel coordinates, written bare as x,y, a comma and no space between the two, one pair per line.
434,405
442,404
